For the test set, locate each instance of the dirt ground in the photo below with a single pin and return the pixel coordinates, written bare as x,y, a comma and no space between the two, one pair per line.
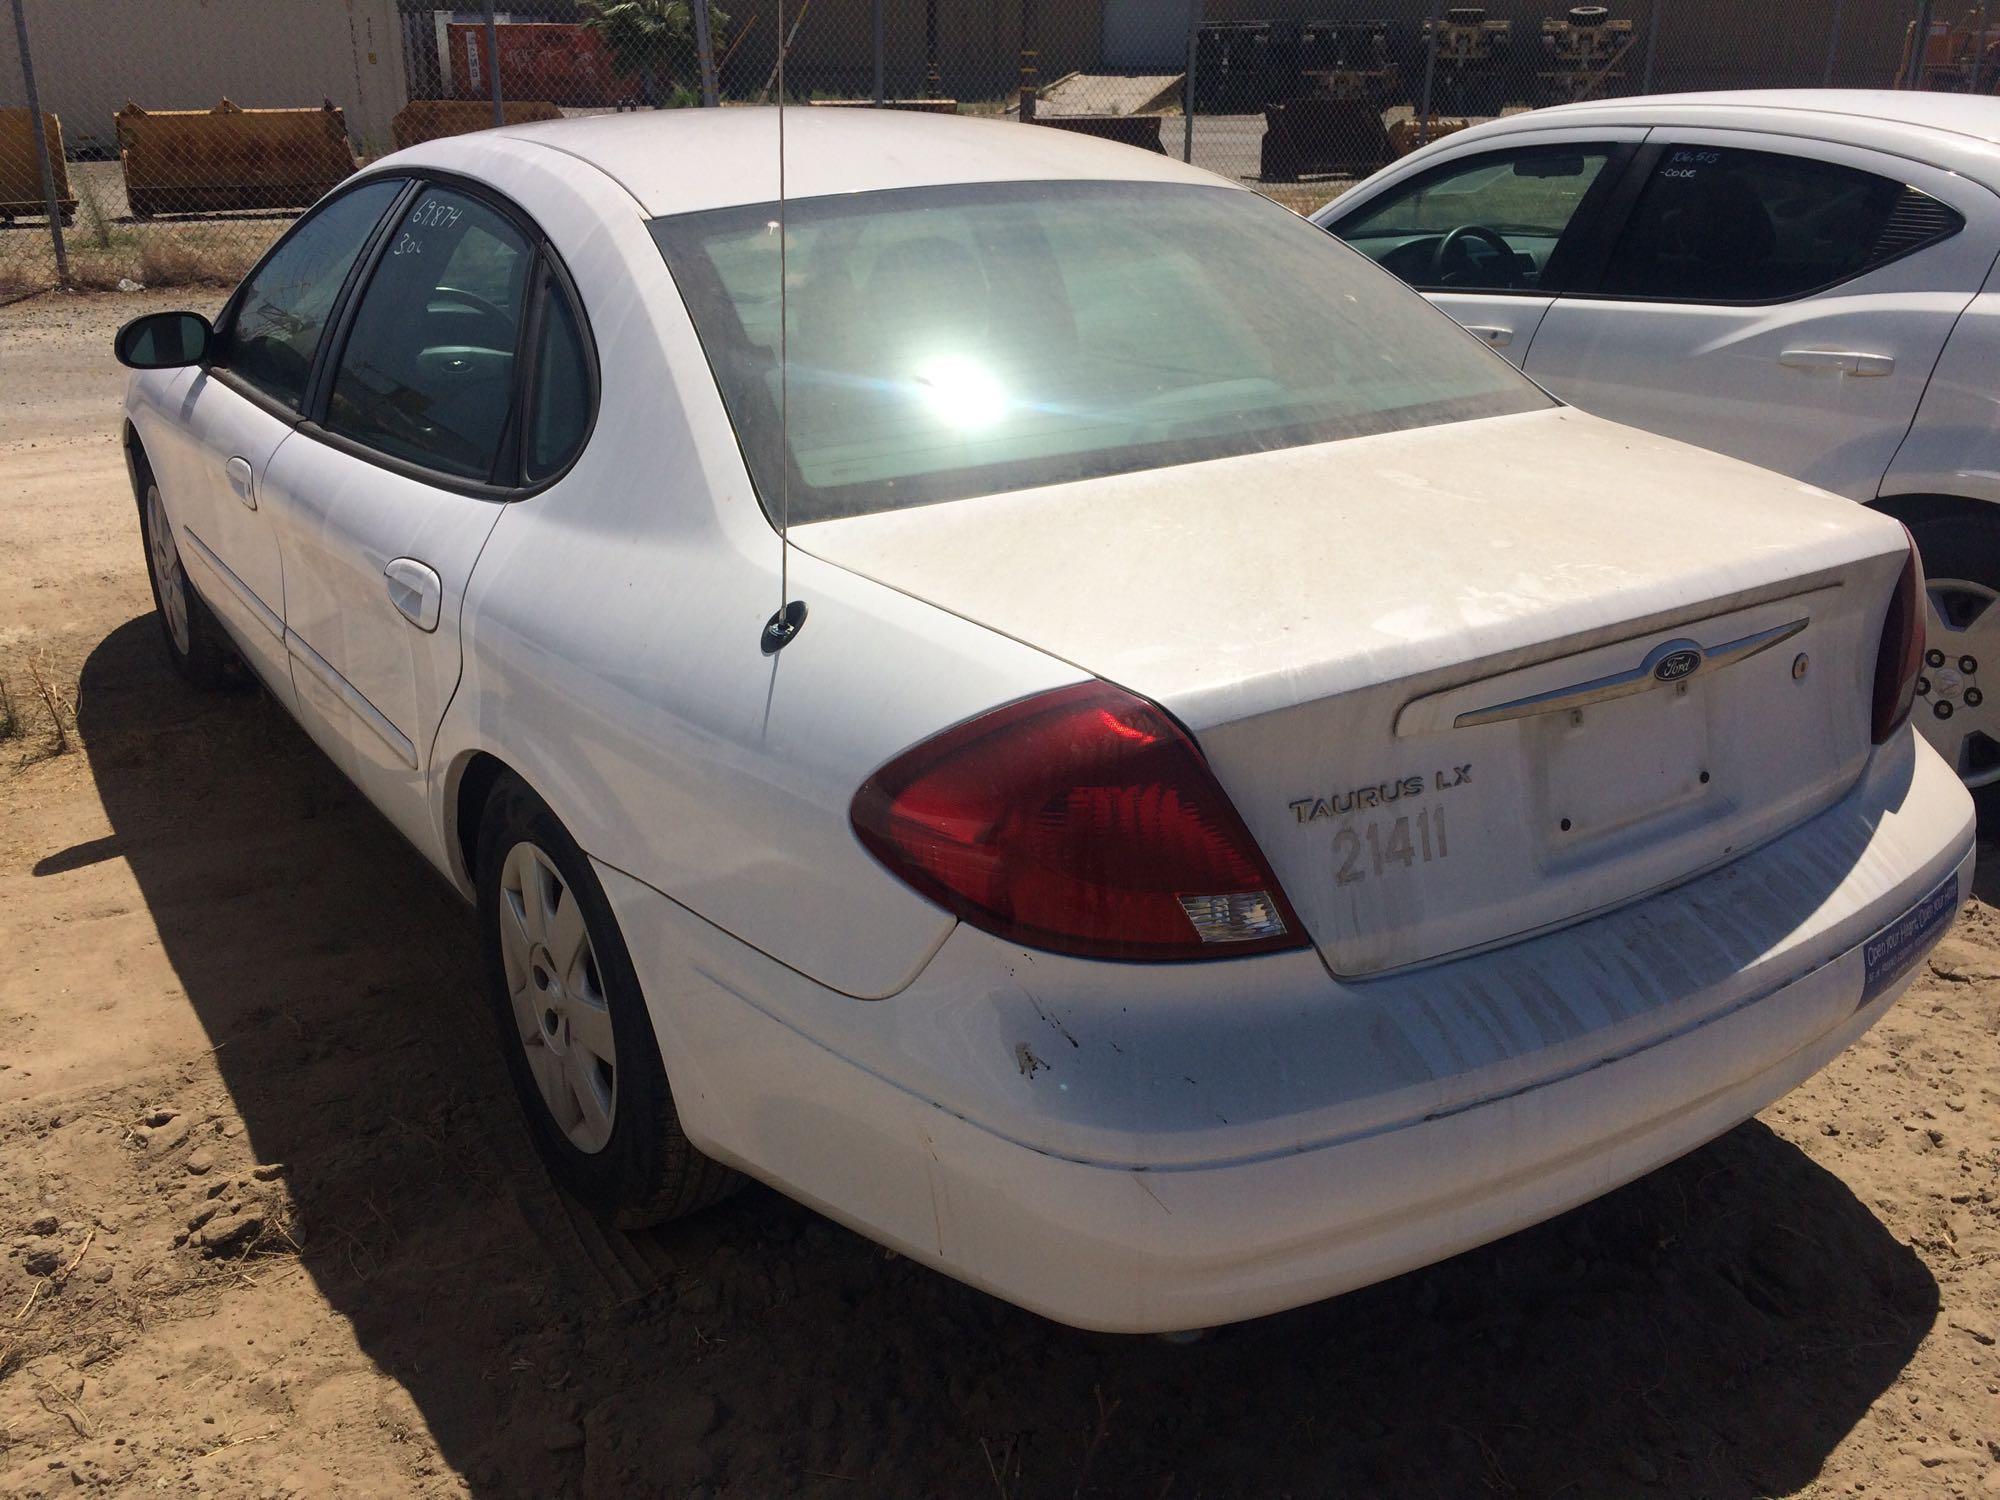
269,1224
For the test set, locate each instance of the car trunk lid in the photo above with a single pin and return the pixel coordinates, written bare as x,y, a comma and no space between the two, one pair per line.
1463,683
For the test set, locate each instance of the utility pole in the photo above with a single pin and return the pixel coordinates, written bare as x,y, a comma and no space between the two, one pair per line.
933,85
880,29
493,63
41,134
704,51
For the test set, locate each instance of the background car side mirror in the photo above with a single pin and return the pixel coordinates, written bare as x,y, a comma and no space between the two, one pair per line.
163,341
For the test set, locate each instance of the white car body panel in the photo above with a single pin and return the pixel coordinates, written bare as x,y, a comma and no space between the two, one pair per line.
1130,1146
1713,374
1953,447
1049,1139
372,688
1671,367
193,426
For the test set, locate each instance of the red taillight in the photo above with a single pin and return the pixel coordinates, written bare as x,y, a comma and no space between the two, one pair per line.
1901,654
1082,820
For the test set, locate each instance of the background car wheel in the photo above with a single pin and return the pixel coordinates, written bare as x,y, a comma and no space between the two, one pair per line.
579,1043
195,643
1958,689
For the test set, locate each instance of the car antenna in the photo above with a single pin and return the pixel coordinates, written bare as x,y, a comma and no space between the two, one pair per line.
783,627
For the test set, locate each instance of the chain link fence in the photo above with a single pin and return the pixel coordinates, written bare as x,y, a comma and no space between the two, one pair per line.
178,140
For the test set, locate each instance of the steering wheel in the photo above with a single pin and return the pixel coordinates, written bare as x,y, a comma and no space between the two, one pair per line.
1453,245
470,299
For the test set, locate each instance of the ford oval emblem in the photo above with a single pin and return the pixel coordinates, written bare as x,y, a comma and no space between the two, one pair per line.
1677,664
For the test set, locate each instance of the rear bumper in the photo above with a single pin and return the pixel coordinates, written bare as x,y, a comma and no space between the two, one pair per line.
1178,1226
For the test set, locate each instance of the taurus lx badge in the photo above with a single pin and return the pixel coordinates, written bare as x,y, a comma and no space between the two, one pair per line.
1357,799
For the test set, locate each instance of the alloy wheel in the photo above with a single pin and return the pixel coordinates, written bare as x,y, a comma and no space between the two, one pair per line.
1954,710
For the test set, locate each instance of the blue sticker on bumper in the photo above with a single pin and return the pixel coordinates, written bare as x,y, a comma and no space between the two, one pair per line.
1890,953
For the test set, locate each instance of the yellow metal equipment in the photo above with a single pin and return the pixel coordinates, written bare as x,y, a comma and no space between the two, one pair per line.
21,171
202,160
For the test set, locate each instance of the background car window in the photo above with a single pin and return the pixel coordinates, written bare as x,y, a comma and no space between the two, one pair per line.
1488,224
282,309
428,371
560,410
956,341
1715,224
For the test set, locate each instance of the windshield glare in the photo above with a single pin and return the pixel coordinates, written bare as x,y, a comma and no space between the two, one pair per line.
959,341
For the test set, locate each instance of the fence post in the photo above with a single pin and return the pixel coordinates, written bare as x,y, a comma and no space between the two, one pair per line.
1978,51
933,85
41,147
1430,73
1187,83
1029,69
704,51
1920,45
881,55
1832,43
493,63
1652,46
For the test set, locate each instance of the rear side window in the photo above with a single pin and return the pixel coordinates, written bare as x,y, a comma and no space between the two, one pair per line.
1715,224
559,410
1491,223
427,375
282,309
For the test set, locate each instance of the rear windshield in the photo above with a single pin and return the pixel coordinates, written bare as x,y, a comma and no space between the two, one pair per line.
954,341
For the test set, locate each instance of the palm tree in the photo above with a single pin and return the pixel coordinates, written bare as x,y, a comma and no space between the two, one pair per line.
650,38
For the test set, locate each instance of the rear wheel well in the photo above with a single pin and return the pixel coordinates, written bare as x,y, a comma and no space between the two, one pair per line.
475,785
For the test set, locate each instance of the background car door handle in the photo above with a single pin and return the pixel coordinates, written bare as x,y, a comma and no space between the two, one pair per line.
1493,333
415,590
242,479
1846,361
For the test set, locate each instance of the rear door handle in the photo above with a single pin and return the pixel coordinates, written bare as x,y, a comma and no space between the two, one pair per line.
1845,361
242,479
416,591
1493,333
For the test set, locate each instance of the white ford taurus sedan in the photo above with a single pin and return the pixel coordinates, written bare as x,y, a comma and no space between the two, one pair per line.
1245,795
1803,278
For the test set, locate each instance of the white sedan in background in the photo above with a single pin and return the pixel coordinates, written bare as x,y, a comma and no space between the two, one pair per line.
1245,795
1802,278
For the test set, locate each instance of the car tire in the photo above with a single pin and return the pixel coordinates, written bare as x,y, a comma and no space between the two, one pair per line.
196,646
1961,557
565,994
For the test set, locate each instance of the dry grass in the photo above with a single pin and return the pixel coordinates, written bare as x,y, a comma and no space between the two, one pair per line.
56,705
101,254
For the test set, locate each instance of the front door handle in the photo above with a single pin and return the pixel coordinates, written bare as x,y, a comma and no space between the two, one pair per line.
1843,361
1493,333
242,479
416,591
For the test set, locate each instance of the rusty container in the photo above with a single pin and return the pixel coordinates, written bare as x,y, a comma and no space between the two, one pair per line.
21,173
180,161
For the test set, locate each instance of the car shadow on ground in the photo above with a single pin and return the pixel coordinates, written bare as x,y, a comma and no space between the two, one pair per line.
1714,1329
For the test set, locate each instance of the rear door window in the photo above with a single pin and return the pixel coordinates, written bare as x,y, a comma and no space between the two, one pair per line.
1719,224
427,375
1491,222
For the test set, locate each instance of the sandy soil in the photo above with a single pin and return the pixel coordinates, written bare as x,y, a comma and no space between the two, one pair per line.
268,1224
